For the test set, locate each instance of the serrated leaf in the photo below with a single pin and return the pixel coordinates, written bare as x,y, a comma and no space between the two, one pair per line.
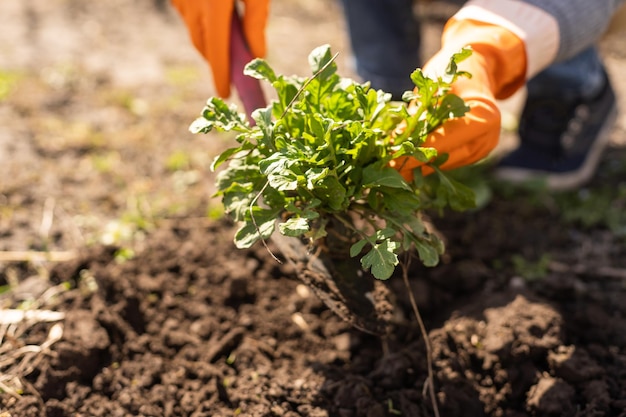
425,154
451,106
315,175
452,71
201,125
381,260
219,115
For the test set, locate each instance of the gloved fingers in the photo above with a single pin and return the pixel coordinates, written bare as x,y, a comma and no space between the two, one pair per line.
209,26
466,140
217,42
255,18
208,23
470,138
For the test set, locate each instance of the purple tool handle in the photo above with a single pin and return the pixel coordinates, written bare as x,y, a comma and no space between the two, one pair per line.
248,88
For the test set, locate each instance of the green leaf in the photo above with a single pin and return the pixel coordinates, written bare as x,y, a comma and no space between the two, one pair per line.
381,259
357,247
425,154
399,200
451,106
263,119
452,193
321,59
452,71
295,226
283,181
223,157
260,69
429,254
217,114
374,177
286,90
260,226
331,192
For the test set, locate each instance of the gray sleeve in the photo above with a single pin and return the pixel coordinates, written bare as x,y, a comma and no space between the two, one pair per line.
581,22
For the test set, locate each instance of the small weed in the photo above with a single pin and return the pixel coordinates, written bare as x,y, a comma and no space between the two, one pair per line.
391,409
87,283
182,76
601,204
61,76
182,180
5,289
124,254
531,270
58,134
106,162
116,232
476,177
596,207
8,81
127,100
215,211
179,160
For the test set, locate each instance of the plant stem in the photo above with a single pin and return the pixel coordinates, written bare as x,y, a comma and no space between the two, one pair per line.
418,316
256,226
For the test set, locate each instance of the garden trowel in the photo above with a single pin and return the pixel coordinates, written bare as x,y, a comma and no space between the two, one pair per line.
341,283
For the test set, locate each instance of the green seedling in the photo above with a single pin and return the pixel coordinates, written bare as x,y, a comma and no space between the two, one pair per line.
8,81
318,158
595,207
178,161
532,270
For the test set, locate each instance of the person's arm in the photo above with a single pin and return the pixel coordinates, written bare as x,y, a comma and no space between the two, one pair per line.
512,41
209,26
581,23
575,24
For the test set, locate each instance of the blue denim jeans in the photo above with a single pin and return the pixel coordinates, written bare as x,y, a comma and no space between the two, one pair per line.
385,39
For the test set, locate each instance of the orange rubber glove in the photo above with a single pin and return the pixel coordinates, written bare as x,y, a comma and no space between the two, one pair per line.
498,68
208,23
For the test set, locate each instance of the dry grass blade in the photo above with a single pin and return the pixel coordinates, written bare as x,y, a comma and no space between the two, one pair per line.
17,358
36,256
14,316
22,361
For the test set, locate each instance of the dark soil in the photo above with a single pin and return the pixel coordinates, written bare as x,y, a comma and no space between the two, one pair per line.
526,313
192,326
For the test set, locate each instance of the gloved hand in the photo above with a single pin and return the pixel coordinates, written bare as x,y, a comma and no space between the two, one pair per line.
208,22
498,69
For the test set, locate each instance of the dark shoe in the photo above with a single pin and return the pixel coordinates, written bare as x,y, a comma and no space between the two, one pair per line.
560,143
